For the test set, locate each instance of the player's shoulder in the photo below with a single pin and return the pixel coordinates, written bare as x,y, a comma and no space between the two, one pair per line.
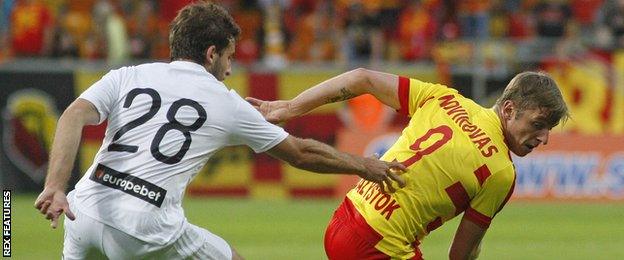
502,168
239,102
435,89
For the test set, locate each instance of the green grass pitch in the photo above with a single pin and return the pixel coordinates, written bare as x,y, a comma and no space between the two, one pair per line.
293,229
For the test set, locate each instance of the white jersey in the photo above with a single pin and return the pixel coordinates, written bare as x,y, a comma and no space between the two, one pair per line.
165,120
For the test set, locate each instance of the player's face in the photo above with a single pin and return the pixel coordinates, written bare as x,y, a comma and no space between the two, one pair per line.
526,130
222,65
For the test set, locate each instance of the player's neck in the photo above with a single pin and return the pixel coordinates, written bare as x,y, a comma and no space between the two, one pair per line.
189,60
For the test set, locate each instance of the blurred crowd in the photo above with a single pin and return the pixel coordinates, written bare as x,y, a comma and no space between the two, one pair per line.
283,31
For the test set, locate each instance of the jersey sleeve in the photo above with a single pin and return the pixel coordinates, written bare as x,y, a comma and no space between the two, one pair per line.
251,129
104,93
492,198
414,93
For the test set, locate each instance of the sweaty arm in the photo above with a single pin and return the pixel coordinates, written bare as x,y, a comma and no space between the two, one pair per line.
342,87
466,244
315,156
52,201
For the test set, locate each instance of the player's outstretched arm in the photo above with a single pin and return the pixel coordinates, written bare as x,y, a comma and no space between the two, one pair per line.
318,157
342,87
467,241
52,201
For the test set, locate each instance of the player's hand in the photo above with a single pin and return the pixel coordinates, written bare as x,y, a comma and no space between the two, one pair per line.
273,111
384,173
52,203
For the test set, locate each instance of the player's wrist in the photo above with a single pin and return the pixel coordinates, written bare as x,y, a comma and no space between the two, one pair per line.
361,166
293,109
55,186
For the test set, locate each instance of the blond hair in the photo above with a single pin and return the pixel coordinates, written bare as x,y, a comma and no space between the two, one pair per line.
536,90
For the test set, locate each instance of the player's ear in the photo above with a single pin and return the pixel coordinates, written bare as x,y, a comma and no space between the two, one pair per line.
507,109
211,53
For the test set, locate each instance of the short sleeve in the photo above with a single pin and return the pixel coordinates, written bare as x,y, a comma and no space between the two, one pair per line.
104,93
414,93
495,193
251,129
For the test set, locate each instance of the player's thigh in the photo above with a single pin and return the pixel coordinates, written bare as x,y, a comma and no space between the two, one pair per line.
199,243
82,238
343,242
345,238
119,245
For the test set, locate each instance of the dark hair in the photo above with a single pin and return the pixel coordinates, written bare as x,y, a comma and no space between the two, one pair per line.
198,26
536,90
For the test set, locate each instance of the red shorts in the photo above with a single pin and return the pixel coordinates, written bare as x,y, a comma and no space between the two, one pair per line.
348,236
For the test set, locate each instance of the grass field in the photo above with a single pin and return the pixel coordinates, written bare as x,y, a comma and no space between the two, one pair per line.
294,230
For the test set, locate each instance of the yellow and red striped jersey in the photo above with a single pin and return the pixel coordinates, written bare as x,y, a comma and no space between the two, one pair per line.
457,162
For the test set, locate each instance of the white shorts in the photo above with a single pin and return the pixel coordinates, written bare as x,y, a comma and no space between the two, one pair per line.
87,238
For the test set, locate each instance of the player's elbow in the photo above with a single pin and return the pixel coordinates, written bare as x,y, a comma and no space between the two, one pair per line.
363,74
362,77
360,72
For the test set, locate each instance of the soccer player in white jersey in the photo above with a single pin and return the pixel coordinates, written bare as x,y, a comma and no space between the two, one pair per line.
165,120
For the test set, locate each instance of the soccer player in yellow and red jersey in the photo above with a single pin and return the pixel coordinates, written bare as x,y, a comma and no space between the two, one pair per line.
456,152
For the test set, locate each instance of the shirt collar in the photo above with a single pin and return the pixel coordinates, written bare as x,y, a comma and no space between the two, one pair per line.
189,65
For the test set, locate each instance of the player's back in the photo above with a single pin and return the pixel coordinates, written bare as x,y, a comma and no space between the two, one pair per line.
171,113
457,161
165,120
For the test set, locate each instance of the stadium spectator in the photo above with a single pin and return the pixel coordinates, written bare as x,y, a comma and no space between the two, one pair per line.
521,22
499,24
249,17
31,29
449,26
165,120
361,35
142,26
299,20
108,15
312,31
74,31
585,12
324,47
5,11
456,152
552,18
570,45
389,11
168,9
274,35
612,17
417,31
160,46
474,18
278,32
